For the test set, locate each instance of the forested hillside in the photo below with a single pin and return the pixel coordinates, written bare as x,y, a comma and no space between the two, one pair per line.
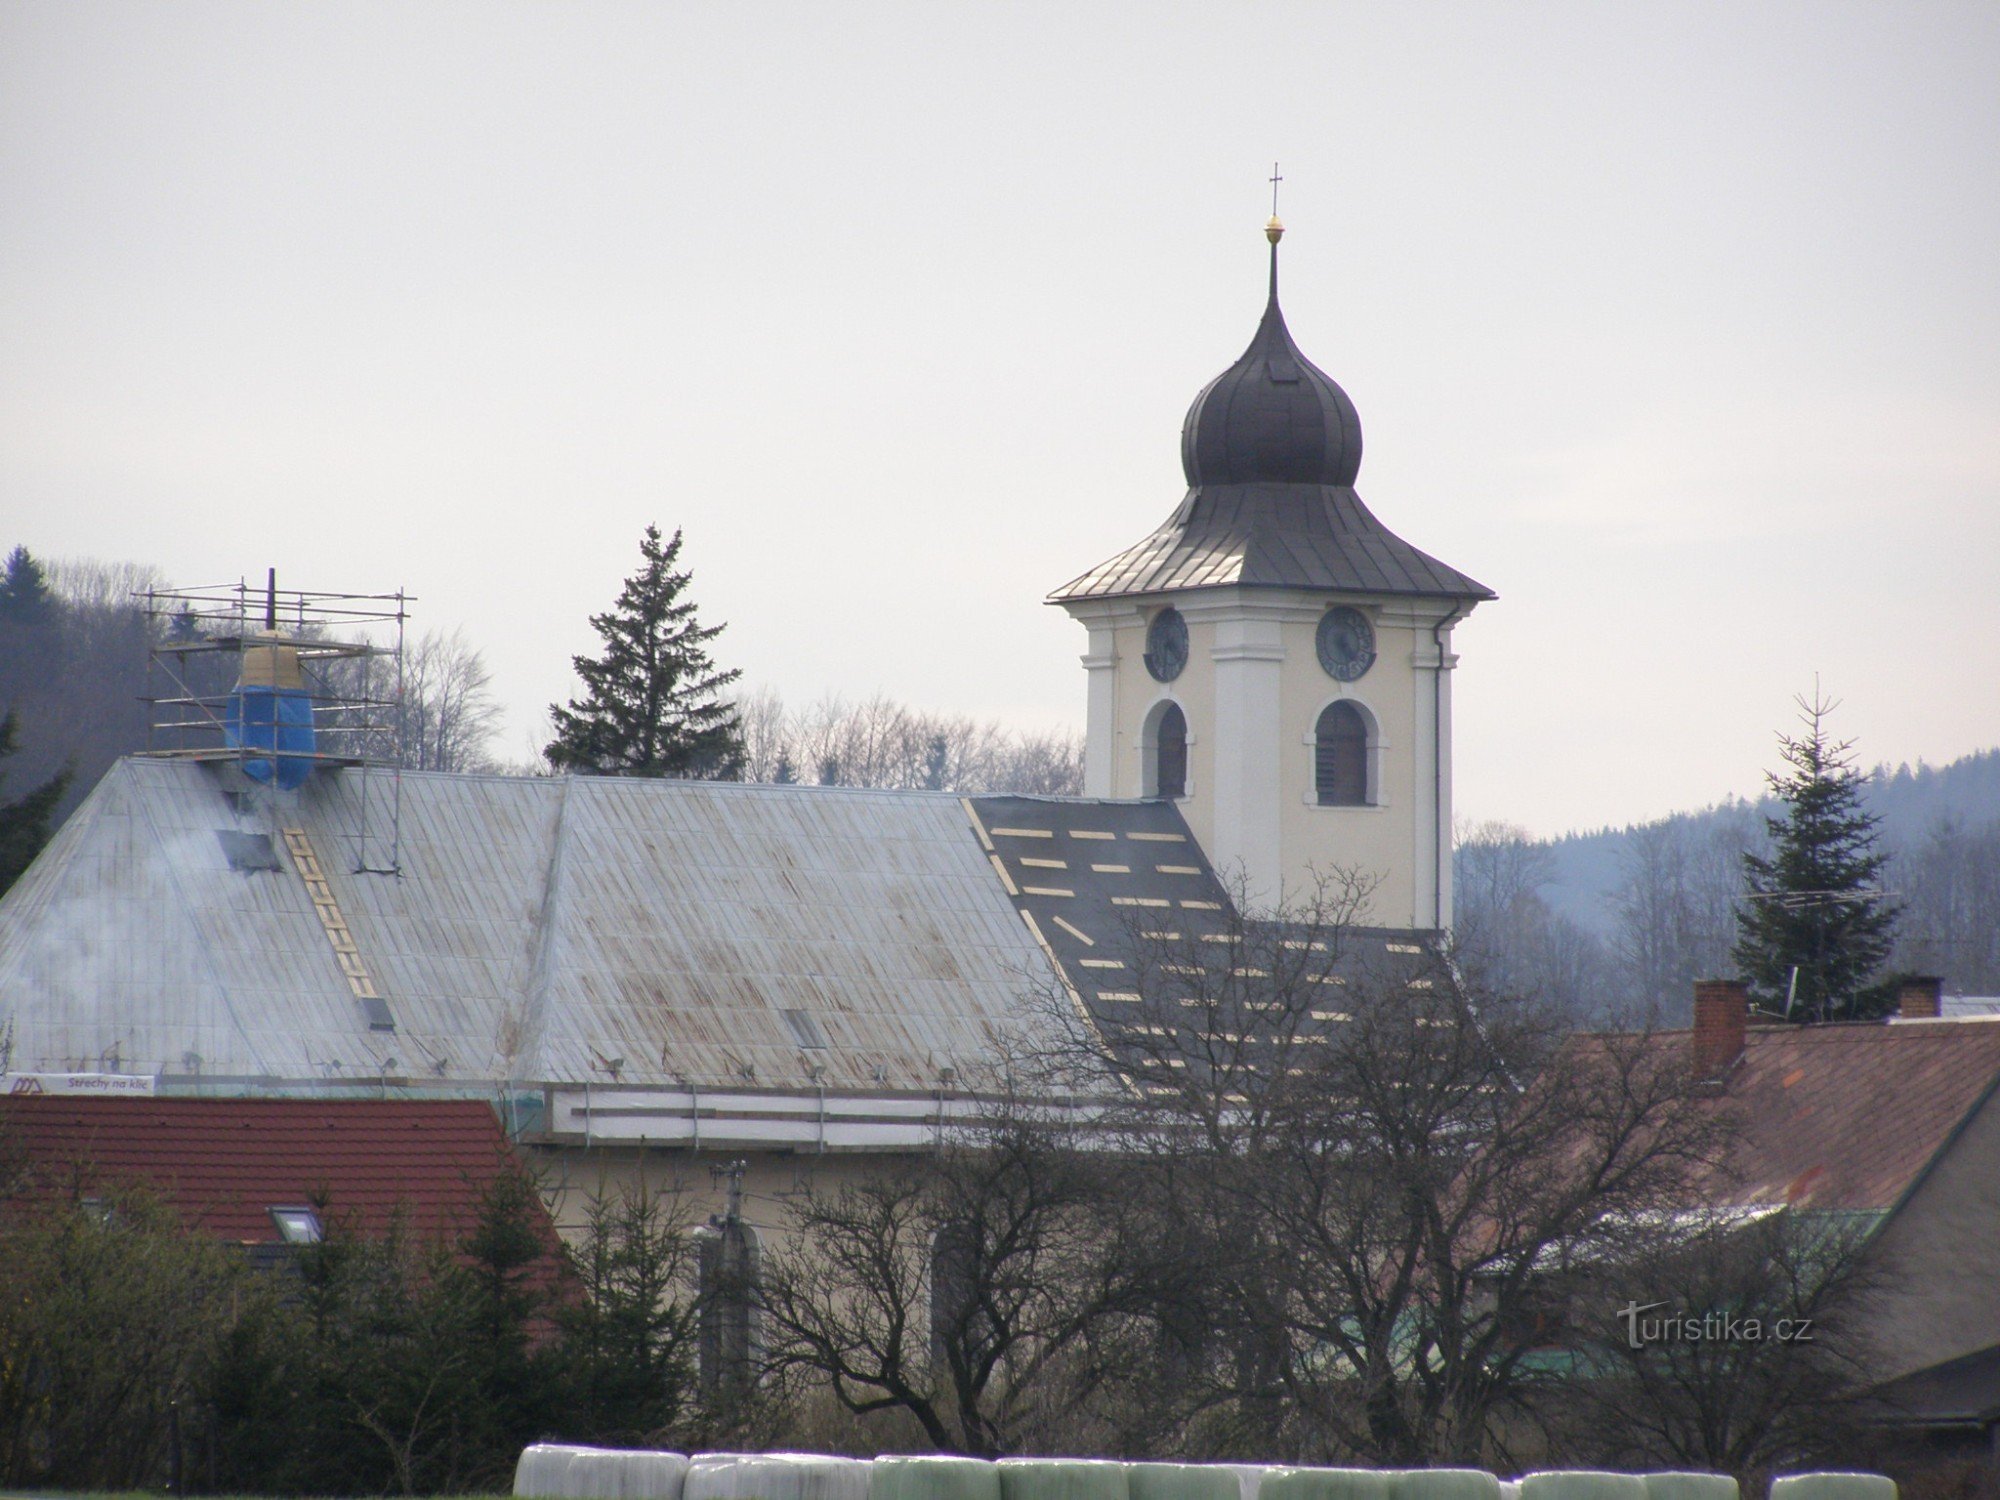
72,671
1624,920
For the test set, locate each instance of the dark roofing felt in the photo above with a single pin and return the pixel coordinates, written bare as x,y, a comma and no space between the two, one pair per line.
225,1163
1845,1117
1117,893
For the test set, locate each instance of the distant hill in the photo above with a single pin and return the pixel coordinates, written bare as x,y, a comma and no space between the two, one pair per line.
1912,802
1618,923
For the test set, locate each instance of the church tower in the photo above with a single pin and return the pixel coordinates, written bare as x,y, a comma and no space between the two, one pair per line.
1275,659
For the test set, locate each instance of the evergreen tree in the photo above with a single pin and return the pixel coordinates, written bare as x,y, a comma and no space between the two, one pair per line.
651,704
1814,908
25,597
24,822
937,763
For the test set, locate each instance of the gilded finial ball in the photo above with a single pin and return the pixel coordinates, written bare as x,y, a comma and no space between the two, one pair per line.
1274,231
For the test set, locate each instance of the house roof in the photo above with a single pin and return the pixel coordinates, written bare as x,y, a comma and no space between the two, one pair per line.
226,1163
1844,1117
1962,1392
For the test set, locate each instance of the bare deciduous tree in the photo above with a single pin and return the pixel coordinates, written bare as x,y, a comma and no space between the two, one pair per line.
878,742
1379,1173
1949,883
447,711
439,716
1507,939
1675,907
980,1291
1728,1343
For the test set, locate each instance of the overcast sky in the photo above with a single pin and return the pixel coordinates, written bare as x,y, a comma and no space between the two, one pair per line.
1676,324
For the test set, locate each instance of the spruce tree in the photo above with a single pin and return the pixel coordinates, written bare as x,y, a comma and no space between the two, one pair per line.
25,597
652,703
1815,908
24,822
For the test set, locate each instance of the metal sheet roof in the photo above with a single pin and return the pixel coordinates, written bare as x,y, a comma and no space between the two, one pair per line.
539,930
1295,536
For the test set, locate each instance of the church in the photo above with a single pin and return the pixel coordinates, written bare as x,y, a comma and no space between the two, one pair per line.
651,978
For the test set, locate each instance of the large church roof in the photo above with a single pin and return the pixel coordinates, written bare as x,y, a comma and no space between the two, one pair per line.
567,930
574,933
1271,448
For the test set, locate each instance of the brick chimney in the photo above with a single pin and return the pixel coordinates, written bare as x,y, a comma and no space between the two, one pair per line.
1921,998
1721,1013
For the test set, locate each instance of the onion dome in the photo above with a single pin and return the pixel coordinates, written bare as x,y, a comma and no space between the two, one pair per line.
1271,447
1273,417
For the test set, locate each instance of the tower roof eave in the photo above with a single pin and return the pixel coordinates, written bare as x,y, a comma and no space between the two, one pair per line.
1317,537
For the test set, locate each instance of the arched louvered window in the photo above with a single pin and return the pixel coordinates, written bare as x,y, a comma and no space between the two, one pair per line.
1170,754
1340,756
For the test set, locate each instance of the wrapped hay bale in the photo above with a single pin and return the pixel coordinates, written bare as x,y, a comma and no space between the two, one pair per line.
1690,1485
543,1468
655,1474
775,1476
1581,1484
1249,1477
623,1474
1182,1482
1459,1484
1510,1489
1833,1487
933,1477
594,1474
1327,1484
1062,1479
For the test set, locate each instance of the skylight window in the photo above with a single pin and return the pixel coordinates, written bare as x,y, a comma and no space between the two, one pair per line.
805,1030
297,1226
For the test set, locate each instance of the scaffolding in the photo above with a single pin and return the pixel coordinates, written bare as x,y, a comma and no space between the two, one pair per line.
207,642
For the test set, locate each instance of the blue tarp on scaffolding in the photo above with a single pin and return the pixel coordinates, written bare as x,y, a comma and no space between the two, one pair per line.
278,720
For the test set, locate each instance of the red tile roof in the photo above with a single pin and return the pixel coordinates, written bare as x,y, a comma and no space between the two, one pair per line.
225,1163
1845,1116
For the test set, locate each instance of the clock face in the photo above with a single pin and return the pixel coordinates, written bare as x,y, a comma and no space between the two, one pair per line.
1346,643
1166,645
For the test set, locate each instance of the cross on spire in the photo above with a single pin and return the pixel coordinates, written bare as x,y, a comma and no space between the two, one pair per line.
1275,180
